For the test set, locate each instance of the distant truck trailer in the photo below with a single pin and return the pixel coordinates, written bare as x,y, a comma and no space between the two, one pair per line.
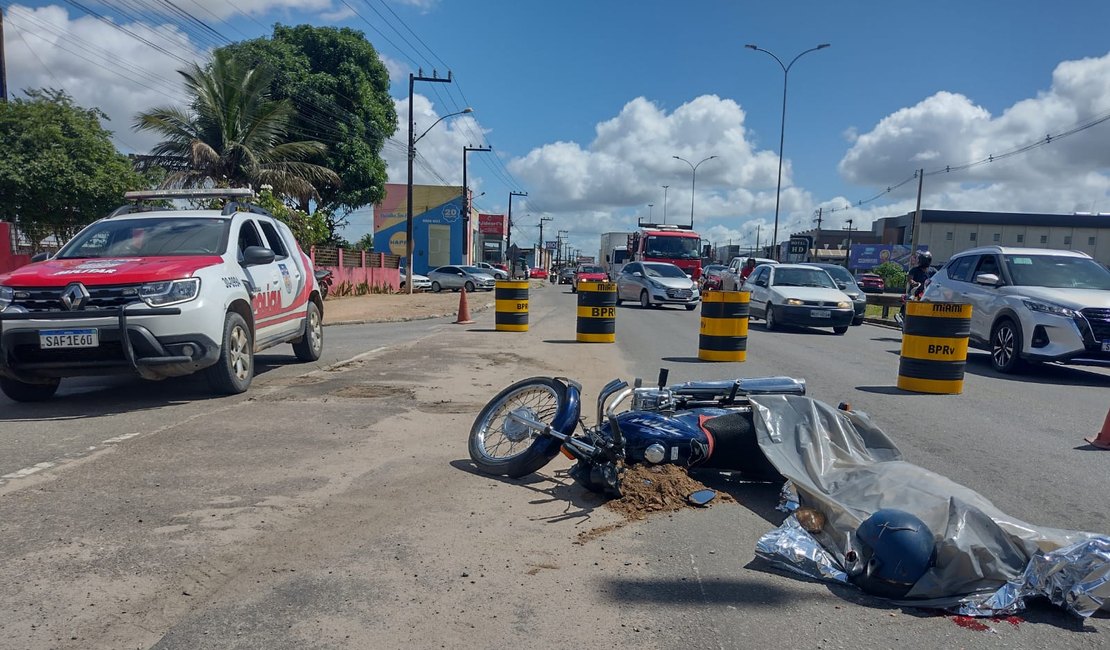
613,254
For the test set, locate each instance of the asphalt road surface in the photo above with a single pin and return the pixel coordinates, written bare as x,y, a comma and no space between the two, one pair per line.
333,505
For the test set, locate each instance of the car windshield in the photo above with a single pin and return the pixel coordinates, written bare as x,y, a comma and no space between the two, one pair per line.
1057,272
802,278
838,273
682,248
590,269
663,271
151,237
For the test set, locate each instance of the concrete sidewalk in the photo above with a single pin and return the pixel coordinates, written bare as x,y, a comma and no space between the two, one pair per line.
402,307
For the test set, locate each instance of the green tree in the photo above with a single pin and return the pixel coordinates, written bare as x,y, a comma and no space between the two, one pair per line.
309,229
892,274
58,167
365,243
340,88
234,134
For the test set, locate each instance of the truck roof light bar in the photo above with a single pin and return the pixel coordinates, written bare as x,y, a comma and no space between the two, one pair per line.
206,193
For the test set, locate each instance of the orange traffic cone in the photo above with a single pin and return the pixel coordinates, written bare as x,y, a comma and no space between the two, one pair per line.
464,309
1102,440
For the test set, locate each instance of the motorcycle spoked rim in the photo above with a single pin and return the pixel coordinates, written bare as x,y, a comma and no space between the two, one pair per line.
499,410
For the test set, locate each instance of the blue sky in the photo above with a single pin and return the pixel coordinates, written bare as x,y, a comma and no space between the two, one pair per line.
586,102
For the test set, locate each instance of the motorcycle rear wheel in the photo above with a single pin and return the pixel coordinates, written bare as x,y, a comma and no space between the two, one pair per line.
501,447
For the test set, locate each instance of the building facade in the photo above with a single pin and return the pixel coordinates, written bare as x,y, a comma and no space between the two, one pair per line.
440,233
947,232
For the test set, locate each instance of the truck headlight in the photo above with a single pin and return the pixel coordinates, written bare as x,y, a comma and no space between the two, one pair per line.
169,292
1032,305
6,295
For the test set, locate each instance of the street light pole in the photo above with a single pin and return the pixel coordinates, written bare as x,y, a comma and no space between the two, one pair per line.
693,179
411,156
665,203
466,205
782,133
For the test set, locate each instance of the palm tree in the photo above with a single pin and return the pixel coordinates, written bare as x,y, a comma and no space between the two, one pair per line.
233,134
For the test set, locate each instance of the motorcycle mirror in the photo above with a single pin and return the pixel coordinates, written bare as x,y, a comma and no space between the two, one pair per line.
663,374
701,497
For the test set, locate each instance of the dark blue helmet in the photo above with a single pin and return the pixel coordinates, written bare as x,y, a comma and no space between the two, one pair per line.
897,549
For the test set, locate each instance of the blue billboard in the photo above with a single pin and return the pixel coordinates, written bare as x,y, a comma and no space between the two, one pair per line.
864,257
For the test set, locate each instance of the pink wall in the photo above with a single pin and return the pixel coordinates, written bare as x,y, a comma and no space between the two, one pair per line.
9,260
368,269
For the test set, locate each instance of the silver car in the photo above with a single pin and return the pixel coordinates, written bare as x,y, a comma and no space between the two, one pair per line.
657,283
1030,304
470,278
846,282
497,273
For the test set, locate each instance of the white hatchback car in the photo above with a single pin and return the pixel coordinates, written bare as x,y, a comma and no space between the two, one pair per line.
798,294
1030,304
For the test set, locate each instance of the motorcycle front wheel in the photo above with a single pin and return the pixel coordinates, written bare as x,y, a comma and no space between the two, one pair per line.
501,446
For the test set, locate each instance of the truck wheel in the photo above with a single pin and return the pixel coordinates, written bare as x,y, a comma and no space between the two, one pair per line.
24,392
233,372
309,347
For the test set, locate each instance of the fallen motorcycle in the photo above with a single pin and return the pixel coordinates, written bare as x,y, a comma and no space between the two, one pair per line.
704,424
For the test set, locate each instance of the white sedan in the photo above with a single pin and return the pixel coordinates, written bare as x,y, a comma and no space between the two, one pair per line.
419,282
796,294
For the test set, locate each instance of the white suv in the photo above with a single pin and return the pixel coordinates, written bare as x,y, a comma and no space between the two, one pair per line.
1030,304
160,293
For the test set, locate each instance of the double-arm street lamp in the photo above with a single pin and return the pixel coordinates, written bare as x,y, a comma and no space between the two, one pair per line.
693,179
782,132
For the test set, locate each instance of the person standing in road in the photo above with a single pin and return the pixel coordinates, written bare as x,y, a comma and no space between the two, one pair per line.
749,266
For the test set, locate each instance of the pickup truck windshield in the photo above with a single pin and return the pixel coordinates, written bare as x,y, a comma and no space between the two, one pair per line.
150,237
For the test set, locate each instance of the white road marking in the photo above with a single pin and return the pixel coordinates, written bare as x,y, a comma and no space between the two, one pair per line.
27,471
125,436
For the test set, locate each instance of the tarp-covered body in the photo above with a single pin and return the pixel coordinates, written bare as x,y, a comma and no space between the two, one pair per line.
987,562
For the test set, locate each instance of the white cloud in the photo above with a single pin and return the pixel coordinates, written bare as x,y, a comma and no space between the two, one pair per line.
439,151
948,129
97,64
224,9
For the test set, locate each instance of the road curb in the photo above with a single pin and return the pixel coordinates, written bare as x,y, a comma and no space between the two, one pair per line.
889,324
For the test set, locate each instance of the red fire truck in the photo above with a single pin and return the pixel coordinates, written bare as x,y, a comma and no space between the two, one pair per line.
679,245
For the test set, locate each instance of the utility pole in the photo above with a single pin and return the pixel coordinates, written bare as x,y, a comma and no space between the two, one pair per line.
665,203
848,253
411,155
541,247
818,220
916,227
3,64
509,235
466,204
559,246
757,227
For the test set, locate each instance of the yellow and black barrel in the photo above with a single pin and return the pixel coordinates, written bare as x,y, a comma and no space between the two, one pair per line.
934,347
511,306
724,326
597,312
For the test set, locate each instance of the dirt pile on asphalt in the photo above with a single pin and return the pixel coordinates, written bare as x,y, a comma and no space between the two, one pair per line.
656,488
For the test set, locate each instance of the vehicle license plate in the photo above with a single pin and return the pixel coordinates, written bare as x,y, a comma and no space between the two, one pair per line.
79,338
1106,345
820,313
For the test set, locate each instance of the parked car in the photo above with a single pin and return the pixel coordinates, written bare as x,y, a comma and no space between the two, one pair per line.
566,275
657,283
455,278
1030,304
419,282
537,273
497,273
730,277
158,293
588,273
711,276
846,283
798,294
871,283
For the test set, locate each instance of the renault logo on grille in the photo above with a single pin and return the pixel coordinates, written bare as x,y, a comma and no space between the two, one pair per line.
75,296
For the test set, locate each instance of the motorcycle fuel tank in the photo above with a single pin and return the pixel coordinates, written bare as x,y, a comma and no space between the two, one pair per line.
678,434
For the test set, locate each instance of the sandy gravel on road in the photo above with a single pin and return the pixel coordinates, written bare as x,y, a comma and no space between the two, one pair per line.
397,307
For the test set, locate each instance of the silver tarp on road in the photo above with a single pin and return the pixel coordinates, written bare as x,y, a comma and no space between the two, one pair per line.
988,562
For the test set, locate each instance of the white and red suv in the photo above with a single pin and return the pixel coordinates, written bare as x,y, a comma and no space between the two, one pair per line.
160,293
